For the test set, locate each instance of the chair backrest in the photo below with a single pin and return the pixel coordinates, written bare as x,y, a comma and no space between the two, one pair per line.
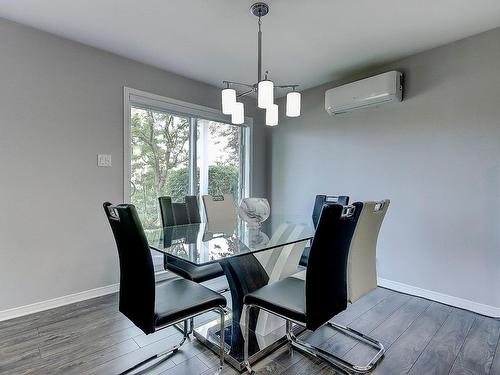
219,208
179,213
137,280
321,200
326,274
193,210
362,262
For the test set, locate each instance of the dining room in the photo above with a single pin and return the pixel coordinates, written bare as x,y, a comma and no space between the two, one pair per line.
197,188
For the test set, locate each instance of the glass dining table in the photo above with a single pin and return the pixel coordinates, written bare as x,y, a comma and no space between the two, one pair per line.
251,257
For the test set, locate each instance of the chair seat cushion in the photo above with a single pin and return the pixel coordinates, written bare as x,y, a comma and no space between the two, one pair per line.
192,272
179,298
285,297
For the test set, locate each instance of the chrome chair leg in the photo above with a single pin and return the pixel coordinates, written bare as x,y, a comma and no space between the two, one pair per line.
222,343
180,326
335,361
164,353
185,335
365,339
246,338
340,364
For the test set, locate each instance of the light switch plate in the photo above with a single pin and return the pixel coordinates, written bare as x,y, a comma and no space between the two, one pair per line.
104,160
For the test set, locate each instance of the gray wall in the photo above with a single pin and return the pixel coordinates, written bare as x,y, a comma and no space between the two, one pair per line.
436,156
61,104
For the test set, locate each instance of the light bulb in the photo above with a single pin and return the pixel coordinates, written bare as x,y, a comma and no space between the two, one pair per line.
238,115
228,100
265,94
293,104
272,115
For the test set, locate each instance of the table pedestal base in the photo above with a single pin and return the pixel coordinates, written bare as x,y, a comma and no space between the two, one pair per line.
260,346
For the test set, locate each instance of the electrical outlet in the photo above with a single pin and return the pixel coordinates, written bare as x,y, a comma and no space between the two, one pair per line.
104,160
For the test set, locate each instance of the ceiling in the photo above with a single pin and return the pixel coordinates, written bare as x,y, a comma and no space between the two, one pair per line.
306,42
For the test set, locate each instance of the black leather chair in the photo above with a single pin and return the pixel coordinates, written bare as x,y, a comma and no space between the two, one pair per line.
318,205
181,214
323,294
151,306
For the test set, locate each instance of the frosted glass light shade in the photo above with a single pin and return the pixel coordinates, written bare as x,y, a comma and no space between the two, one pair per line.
293,104
238,115
228,100
272,115
265,94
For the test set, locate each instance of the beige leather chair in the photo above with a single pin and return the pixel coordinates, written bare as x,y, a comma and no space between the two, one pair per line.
219,211
362,259
362,262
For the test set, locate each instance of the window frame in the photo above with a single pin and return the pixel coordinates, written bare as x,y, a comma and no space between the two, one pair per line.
137,97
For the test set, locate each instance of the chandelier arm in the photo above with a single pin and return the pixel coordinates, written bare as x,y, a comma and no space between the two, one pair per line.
245,93
286,86
240,84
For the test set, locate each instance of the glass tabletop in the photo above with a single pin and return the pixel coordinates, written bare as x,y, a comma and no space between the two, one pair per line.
206,243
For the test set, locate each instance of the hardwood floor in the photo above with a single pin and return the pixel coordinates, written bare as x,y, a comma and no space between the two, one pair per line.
92,337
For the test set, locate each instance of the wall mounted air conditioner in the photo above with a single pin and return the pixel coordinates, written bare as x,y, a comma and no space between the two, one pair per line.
376,90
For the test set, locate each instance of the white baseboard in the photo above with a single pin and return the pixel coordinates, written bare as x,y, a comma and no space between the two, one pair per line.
389,284
56,302
477,307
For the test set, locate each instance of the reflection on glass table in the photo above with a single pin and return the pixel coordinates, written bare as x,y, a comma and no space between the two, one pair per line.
251,258
208,243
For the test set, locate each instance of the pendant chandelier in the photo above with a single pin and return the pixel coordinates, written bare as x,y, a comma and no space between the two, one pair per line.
264,87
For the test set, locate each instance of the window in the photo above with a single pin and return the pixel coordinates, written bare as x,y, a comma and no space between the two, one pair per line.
176,148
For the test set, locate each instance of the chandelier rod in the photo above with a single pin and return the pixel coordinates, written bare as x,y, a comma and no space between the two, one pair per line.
259,53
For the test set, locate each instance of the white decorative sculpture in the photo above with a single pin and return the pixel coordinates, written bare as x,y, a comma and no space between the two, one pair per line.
254,211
